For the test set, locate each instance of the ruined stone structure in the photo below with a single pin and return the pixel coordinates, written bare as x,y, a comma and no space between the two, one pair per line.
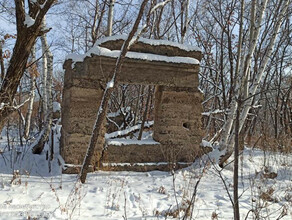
172,67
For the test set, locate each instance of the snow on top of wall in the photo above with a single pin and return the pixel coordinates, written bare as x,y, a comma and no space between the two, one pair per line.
150,42
101,51
29,21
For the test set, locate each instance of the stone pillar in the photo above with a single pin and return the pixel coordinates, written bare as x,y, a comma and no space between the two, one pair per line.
177,123
79,111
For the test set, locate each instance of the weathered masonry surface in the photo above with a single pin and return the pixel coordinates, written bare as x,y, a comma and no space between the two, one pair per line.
173,68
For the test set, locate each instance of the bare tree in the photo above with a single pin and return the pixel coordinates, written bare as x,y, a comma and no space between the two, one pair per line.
33,74
184,19
47,94
110,18
244,87
145,113
28,29
2,68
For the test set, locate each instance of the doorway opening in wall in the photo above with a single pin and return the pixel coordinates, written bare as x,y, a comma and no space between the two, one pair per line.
130,115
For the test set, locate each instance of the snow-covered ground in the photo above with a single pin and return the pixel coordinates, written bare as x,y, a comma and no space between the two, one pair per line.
35,192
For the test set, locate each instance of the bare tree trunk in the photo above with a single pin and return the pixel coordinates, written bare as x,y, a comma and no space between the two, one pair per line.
95,28
236,155
44,73
107,93
137,105
110,18
1,62
185,22
237,133
20,116
31,97
145,113
47,96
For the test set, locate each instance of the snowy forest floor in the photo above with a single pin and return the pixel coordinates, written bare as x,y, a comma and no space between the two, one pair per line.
29,190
